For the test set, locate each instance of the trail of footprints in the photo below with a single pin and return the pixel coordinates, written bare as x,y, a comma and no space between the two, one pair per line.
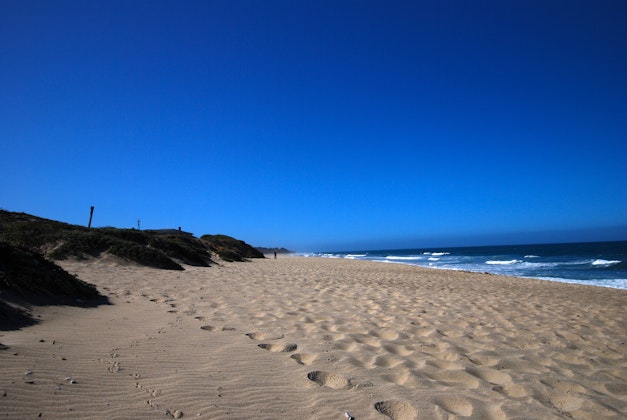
421,363
114,366
393,409
421,356
371,341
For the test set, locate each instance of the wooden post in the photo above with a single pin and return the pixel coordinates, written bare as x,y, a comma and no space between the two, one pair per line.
91,214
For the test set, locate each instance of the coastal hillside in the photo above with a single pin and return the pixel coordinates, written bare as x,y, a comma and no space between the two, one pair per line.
230,249
163,249
265,250
29,245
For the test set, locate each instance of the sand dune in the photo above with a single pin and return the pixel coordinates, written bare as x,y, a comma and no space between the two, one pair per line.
320,338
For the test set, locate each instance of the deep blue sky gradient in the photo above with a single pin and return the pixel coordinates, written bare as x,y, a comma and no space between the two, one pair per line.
320,125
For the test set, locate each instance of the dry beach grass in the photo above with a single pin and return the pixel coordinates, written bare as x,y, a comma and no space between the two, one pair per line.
317,338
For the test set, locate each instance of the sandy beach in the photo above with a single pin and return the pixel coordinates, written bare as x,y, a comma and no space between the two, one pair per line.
314,338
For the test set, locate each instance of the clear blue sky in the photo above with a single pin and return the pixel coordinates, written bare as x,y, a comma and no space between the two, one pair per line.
320,125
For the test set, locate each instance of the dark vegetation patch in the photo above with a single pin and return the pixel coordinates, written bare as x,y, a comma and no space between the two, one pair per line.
60,241
230,249
27,278
26,273
28,244
165,249
182,247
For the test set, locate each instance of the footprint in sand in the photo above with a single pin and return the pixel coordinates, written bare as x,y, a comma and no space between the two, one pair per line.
493,376
216,329
209,328
456,405
176,414
328,379
264,336
511,390
385,335
401,377
304,359
114,367
387,361
396,410
617,388
281,348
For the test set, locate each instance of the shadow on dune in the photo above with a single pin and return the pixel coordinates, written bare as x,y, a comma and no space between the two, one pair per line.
28,279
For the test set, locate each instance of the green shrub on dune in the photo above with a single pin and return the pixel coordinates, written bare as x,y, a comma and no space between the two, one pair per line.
184,248
131,235
29,276
80,244
164,249
143,255
33,232
60,241
230,249
24,272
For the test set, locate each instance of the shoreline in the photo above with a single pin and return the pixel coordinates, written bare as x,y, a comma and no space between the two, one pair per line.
590,263
486,273
302,337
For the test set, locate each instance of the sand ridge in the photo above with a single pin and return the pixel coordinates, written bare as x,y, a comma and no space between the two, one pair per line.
321,338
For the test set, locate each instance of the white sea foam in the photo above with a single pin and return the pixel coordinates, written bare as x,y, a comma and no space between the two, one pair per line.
394,257
353,256
531,256
433,259
612,283
605,263
528,264
503,262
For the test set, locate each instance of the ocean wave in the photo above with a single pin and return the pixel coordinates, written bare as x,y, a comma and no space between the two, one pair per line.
394,257
605,263
543,264
569,264
612,283
497,262
555,262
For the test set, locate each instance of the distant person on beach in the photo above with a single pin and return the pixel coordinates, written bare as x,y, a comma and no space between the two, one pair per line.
275,254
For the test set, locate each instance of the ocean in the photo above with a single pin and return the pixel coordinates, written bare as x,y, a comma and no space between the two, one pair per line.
594,263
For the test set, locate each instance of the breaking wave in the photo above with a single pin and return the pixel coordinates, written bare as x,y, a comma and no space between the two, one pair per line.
605,263
497,262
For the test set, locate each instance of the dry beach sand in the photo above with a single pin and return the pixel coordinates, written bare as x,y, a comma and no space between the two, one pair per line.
313,338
